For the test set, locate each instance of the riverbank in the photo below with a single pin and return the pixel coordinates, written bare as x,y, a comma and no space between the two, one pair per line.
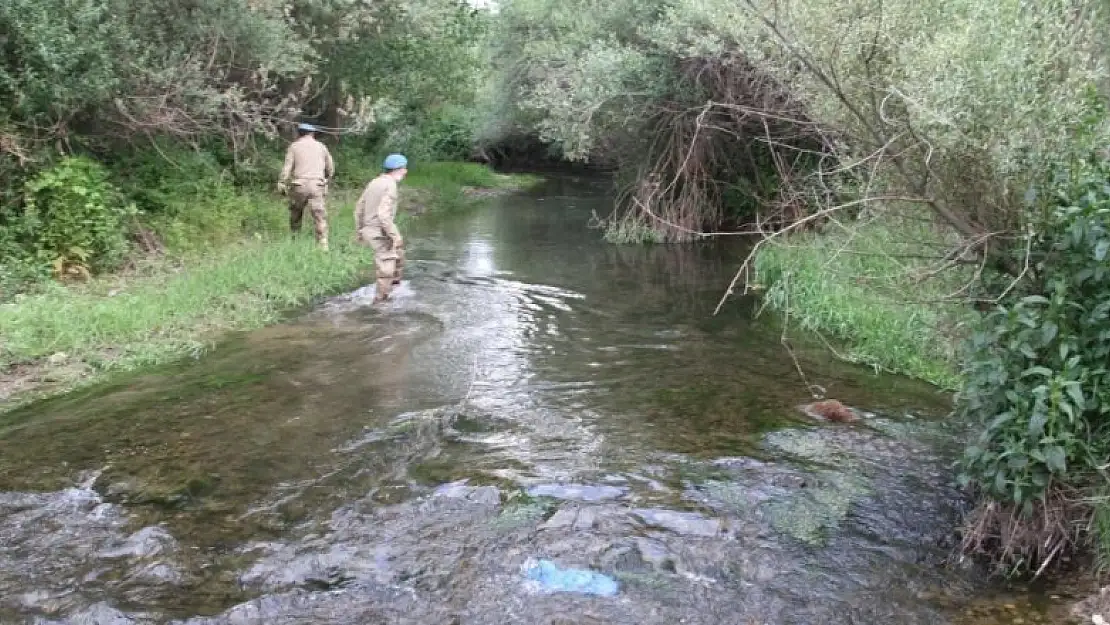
871,294
168,306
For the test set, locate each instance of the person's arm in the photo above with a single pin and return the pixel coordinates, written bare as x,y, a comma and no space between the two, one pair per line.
387,208
360,211
329,165
286,169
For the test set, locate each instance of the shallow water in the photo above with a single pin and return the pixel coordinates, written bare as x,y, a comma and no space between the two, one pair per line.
531,393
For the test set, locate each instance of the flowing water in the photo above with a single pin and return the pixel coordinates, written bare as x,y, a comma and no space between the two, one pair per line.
531,393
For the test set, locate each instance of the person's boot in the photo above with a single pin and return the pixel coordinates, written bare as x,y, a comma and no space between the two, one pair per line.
324,245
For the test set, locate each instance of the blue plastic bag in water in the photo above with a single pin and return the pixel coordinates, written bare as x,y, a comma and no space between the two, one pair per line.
551,578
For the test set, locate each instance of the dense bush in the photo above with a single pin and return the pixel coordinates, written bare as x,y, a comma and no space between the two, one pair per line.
72,218
1038,368
1038,371
444,135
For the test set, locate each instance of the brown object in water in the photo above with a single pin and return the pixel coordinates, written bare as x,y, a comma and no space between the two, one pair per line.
830,410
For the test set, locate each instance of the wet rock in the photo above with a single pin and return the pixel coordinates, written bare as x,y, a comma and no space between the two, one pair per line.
684,523
787,480
97,614
122,490
145,543
354,606
1097,605
578,492
830,410
159,573
587,518
562,519
486,495
741,462
578,518
338,565
656,554
624,559
641,556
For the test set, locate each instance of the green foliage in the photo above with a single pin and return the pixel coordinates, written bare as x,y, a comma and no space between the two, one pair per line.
194,199
71,213
136,64
963,103
444,135
1038,368
865,286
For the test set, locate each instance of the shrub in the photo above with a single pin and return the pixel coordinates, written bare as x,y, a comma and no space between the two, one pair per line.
445,135
1038,368
72,217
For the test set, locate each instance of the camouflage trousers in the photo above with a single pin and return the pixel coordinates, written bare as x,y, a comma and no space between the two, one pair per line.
310,194
389,261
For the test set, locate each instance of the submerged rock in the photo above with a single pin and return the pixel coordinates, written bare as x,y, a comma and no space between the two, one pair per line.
578,492
488,495
830,410
684,523
97,614
145,543
578,518
643,555
562,519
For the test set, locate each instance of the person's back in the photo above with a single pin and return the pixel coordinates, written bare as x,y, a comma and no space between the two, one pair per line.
376,208
308,159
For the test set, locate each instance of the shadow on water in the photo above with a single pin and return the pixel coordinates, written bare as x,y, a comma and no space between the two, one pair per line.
531,393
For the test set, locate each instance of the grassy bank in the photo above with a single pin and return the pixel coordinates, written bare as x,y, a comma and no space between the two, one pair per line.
870,294
228,267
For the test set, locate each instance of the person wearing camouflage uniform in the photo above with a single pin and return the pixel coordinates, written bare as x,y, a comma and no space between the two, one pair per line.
309,165
374,225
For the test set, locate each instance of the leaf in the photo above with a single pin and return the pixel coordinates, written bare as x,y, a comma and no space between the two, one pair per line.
1055,459
1069,409
1000,482
1048,332
1037,370
1001,419
1076,393
1101,249
1037,423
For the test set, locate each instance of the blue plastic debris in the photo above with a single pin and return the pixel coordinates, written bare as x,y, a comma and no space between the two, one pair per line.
553,578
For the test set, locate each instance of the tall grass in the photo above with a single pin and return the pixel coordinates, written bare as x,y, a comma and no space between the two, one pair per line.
181,304
866,293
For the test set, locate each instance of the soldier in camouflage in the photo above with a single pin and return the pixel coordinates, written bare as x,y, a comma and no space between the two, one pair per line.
375,213
309,165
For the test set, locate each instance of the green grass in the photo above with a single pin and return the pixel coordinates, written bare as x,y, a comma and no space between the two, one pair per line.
864,293
232,265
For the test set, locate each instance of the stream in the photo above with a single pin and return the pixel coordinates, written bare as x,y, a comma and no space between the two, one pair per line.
532,392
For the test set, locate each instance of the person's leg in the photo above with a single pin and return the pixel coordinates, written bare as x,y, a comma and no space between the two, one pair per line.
319,210
400,264
296,209
385,266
